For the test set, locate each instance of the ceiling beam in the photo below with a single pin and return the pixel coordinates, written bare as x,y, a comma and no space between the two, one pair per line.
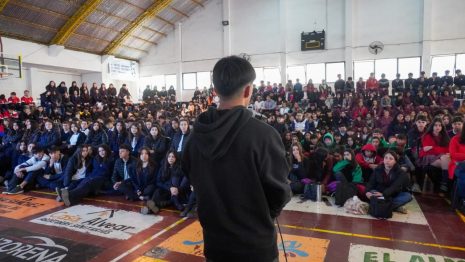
164,20
197,2
179,12
75,21
154,9
3,4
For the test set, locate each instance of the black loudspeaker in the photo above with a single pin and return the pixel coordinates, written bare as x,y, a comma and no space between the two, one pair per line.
313,40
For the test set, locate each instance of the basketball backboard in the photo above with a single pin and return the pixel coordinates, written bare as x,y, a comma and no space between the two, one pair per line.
10,66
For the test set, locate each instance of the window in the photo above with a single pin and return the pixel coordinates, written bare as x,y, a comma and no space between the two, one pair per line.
459,64
259,75
159,81
363,69
296,72
203,80
440,64
316,72
333,69
409,65
386,66
272,74
170,80
189,81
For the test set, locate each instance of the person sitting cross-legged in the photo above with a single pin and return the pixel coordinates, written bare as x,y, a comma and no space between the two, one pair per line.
53,172
124,170
391,182
25,174
102,166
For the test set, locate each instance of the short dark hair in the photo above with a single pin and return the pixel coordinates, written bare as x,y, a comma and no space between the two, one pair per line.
457,119
230,74
54,149
126,147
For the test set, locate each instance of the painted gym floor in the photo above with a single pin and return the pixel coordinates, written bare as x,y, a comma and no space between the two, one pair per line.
34,227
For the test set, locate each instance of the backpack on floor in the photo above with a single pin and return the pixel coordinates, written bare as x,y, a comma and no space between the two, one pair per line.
343,192
380,208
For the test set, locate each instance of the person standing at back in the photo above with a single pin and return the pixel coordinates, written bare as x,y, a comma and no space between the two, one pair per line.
237,167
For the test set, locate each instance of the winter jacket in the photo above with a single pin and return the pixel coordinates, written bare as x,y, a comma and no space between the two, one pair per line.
388,184
457,154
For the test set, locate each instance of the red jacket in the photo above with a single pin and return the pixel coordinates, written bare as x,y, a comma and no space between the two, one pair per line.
13,100
428,140
27,100
361,160
372,84
457,154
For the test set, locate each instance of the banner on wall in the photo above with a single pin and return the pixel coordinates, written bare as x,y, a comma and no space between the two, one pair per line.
121,69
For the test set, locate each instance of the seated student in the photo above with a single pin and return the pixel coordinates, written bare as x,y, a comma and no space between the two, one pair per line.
102,166
135,139
347,170
457,152
48,137
124,170
171,182
179,140
119,137
368,160
391,182
21,154
157,144
76,139
97,136
144,180
457,125
25,173
435,152
53,173
78,167
320,166
300,168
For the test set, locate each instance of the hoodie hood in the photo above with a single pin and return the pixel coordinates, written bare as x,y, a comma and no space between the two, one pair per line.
330,136
216,130
369,147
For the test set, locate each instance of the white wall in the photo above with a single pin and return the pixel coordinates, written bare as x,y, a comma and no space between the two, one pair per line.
40,67
405,27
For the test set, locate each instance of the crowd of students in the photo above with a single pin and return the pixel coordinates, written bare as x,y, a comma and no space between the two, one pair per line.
97,142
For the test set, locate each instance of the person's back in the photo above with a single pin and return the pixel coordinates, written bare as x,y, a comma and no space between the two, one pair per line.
237,166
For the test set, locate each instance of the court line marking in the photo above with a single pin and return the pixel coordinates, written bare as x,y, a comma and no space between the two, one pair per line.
462,217
105,201
334,232
166,229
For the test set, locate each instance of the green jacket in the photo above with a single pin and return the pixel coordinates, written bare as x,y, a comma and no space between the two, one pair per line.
356,173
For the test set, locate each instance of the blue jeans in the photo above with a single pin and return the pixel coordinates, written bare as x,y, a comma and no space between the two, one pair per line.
401,199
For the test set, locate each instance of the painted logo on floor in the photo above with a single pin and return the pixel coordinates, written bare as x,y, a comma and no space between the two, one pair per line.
99,221
19,245
21,206
376,254
190,241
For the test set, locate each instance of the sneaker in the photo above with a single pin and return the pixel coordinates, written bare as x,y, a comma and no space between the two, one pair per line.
152,206
416,188
401,210
58,191
16,190
192,213
65,197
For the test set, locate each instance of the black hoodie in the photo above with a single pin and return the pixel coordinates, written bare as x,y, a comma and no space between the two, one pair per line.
237,166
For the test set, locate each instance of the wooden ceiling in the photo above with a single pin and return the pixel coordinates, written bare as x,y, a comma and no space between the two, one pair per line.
123,28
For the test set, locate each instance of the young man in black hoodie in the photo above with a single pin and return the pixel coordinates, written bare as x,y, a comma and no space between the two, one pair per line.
237,166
